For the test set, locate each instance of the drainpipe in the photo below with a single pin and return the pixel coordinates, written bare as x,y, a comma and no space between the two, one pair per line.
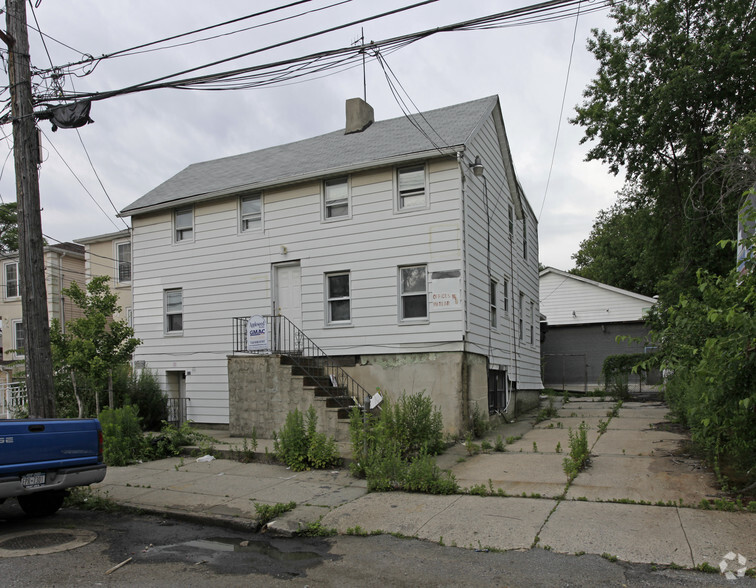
463,178
60,292
464,375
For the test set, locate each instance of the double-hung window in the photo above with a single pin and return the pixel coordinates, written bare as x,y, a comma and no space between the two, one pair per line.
11,280
174,310
522,316
336,198
251,212
493,302
411,187
183,224
413,293
339,301
19,338
505,298
532,321
123,259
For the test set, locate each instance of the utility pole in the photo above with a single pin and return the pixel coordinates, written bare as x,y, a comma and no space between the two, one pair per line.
31,262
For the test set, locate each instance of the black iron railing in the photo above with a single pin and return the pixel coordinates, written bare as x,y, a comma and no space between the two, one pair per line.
282,337
176,411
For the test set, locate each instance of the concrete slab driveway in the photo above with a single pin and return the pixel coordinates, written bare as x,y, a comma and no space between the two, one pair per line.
613,507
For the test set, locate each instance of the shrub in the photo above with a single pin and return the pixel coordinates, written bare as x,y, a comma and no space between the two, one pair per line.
479,423
301,447
171,439
144,392
123,441
394,449
579,454
416,424
547,413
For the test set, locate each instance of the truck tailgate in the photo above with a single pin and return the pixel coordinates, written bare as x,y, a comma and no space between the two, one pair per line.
41,444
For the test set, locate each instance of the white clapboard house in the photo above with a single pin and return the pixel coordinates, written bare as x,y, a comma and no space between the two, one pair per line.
404,250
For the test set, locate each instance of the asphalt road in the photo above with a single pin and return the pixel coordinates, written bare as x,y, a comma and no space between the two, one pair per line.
166,552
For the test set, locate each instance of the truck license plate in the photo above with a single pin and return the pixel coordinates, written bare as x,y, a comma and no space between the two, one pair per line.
33,480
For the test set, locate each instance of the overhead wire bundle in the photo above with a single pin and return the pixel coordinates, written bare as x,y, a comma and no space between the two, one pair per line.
306,66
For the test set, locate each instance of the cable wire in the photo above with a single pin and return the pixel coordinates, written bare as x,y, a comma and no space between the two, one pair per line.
80,182
561,113
317,62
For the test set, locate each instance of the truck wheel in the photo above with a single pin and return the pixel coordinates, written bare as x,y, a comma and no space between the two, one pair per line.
42,504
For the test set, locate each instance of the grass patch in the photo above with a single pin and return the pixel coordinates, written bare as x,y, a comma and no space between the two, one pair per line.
268,512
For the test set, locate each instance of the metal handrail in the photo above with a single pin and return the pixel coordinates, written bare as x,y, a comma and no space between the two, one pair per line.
283,337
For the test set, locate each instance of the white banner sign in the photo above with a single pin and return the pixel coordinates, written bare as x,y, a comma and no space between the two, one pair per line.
257,333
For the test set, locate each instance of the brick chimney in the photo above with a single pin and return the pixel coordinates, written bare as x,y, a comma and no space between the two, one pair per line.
359,115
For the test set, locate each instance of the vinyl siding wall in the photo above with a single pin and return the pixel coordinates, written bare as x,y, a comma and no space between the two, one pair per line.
567,300
224,273
101,260
502,343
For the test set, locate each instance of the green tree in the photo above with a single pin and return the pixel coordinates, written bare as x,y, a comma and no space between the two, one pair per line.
619,250
673,79
8,227
94,344
707,344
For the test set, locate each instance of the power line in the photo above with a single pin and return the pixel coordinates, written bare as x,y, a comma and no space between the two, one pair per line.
285,71
91,164
136,48
81,140
403,106
157,81
80,182
561,113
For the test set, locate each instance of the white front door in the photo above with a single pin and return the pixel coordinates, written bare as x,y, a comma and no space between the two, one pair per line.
287,292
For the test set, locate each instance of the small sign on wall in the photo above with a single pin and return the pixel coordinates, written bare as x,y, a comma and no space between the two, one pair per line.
257,333
445,290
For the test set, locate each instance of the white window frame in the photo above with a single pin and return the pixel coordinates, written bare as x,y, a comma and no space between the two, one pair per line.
7,296
532,321
183,233
403,295
401,194
522,316
19,350
331,204
119,263
250,222
330,299
505,301
168,313
492,301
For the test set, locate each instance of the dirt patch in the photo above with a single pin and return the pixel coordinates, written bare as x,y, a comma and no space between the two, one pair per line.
670,427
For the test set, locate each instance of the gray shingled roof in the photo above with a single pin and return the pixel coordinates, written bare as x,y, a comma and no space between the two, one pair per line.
383,141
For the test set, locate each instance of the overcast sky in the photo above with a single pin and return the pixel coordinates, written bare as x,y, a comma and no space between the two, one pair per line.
138,141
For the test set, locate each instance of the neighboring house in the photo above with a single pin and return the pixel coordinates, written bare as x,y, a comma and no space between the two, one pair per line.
110,255
64,264
583,319
404,248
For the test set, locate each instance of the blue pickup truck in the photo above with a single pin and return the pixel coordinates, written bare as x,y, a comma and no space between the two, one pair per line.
41,458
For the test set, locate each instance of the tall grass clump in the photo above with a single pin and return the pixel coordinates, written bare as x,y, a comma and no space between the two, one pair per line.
394,448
